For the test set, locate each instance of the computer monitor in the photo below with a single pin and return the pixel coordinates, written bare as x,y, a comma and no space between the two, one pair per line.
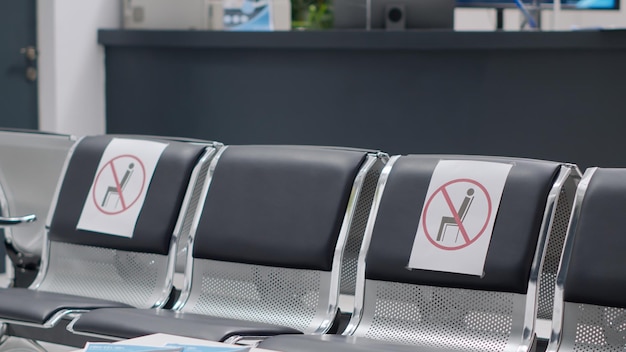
565,4
394,14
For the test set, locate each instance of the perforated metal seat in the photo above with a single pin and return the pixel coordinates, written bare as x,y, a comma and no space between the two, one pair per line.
267,246
590,300
84,268
435,310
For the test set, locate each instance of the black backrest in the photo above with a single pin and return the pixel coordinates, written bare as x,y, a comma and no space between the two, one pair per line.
158,216
515,234
277,206
596,271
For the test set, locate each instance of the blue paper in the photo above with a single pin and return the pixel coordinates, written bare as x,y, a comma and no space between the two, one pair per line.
200,348
110,347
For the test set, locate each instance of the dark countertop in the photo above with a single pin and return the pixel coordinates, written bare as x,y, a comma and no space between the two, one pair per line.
363,40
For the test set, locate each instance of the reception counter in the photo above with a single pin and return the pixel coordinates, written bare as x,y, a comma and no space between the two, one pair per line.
549,95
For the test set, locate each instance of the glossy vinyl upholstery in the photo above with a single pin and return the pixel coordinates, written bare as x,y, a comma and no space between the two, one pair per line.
83,270
441,311
590,309
267,246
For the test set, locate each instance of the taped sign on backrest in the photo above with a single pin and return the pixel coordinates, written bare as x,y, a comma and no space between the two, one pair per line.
120,185
457,219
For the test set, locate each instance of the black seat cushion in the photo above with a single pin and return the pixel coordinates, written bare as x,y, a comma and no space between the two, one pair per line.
36,307
335,343
131,323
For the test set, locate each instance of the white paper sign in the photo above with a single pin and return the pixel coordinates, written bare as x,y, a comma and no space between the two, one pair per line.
457,220
119,187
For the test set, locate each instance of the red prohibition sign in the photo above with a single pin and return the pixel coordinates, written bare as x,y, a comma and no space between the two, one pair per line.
117,186
466,237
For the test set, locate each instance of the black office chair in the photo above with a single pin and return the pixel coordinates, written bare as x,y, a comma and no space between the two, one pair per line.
590,301
407,310
87,269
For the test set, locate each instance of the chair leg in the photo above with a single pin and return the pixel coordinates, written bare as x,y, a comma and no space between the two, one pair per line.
3,333
18,344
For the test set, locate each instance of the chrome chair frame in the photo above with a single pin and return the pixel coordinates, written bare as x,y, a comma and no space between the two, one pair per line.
170,259
334,280
326,311
524,325
582,326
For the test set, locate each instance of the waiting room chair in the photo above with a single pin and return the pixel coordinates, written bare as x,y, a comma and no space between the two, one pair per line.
590,301
267,246
84,268
28,158
398,309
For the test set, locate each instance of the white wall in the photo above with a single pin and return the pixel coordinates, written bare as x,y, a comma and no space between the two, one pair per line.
468,19
71,64
571,19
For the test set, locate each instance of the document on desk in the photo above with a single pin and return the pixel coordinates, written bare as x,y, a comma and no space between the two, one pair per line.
167,343
202,348
111,347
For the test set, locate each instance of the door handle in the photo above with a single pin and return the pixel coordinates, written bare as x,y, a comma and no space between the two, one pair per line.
30,54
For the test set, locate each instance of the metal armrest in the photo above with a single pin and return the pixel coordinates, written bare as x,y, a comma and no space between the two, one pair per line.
5,221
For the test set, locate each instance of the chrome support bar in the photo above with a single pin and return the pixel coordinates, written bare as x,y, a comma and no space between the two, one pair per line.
4,221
